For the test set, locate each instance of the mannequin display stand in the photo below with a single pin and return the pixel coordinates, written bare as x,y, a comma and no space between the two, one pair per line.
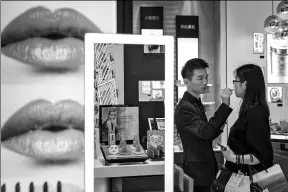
124,153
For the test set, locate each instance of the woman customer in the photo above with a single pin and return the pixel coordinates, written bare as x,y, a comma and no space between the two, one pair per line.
250,134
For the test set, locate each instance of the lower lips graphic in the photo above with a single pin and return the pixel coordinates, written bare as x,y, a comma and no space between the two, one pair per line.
46,131
49,40
67,53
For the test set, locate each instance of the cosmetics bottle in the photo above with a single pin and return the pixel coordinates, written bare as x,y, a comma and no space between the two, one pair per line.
279,61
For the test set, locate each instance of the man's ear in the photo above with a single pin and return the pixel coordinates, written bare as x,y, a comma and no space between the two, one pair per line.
186,82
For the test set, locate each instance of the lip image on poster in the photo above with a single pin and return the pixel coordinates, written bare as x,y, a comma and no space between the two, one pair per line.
40,130
47,39
42,89
42,134
275,94
44,41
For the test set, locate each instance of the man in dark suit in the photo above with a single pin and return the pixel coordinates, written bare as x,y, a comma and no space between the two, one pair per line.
196,132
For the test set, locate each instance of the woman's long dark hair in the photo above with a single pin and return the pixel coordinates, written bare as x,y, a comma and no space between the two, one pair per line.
255,93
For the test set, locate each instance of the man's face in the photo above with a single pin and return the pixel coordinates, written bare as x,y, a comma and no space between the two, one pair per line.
198,81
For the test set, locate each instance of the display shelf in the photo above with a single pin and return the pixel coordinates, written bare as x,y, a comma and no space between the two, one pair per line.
216,148
279,138
115,170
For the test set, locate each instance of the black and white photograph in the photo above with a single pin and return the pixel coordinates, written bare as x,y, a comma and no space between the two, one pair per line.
144,96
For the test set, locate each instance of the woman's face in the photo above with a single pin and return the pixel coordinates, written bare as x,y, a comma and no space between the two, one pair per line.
112,116
240,87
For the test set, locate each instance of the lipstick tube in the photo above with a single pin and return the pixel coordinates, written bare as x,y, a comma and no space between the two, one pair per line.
111,139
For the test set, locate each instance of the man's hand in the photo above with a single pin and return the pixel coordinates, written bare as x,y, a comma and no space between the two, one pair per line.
225,95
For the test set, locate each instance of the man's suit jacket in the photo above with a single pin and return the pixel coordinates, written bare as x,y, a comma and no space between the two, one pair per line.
197,134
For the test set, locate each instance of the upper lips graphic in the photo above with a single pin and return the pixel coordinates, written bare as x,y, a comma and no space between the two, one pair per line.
41,120
42,38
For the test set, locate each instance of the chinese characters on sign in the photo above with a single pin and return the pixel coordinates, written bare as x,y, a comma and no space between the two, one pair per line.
187,26
258,43
151,23
152,18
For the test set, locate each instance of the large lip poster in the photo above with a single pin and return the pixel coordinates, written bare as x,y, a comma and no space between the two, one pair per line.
42,71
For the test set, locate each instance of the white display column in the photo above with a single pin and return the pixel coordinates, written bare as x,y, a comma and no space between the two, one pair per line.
187,34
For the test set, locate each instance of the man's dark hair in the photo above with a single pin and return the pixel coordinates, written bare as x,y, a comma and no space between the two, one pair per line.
191,65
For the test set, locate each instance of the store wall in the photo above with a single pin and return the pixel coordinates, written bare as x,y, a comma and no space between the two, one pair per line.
240,28
207,25
142,67
203,9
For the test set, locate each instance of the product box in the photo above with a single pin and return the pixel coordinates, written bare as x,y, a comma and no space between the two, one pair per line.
156,144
